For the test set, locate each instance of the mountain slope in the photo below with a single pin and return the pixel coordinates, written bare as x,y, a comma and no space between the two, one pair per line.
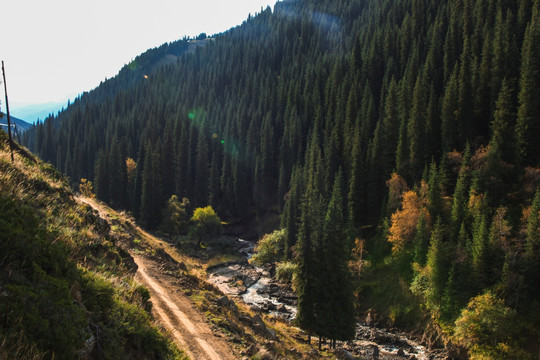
66,283
71,269
21,125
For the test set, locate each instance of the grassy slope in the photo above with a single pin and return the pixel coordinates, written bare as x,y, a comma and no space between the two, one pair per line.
66,289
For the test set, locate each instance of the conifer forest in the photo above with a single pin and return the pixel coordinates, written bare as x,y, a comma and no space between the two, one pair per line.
396,142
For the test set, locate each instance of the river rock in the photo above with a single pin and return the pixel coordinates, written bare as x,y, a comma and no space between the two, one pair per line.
400,352
250,280
375,351
343,354
270,306
377,337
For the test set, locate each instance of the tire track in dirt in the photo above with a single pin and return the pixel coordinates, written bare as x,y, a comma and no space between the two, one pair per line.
185,323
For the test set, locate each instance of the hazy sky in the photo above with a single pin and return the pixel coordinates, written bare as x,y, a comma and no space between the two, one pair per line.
54,49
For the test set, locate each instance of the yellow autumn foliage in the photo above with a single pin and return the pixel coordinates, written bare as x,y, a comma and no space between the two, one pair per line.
404,221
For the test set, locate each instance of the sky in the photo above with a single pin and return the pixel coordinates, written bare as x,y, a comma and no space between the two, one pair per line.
56,49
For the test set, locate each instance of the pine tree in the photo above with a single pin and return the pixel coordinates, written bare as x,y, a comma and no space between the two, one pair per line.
437,271
533,227
336,289
355,199
478,249
421,241
449,112
460,198
151,201
201,170
417,128
390,131
465,119
101,179
117,177
528,126
402,152
502,143
435,198
307,287
291,211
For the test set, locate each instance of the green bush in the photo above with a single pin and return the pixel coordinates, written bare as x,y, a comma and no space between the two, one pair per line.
488,329
204,224
269,249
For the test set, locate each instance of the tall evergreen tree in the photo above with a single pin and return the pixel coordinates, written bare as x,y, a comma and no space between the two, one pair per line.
151,200
460,198
436,265
528,126
336,288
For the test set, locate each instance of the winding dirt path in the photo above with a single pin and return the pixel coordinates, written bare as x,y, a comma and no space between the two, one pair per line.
186,324
176,312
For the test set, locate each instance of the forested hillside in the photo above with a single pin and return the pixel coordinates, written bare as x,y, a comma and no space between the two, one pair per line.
409,125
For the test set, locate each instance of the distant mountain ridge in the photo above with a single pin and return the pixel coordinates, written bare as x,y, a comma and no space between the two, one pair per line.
17,123
33,112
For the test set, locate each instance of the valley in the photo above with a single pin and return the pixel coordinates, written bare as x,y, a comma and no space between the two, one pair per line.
160,267
380,159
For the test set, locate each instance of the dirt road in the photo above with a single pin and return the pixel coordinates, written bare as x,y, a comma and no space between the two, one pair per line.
185,323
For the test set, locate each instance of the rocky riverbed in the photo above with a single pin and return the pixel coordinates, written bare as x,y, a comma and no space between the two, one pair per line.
256,287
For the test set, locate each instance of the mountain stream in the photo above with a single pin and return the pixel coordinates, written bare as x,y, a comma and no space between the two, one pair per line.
255,286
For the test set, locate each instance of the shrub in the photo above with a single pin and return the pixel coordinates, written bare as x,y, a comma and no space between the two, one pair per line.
487,328
269,249
86,188
204,224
